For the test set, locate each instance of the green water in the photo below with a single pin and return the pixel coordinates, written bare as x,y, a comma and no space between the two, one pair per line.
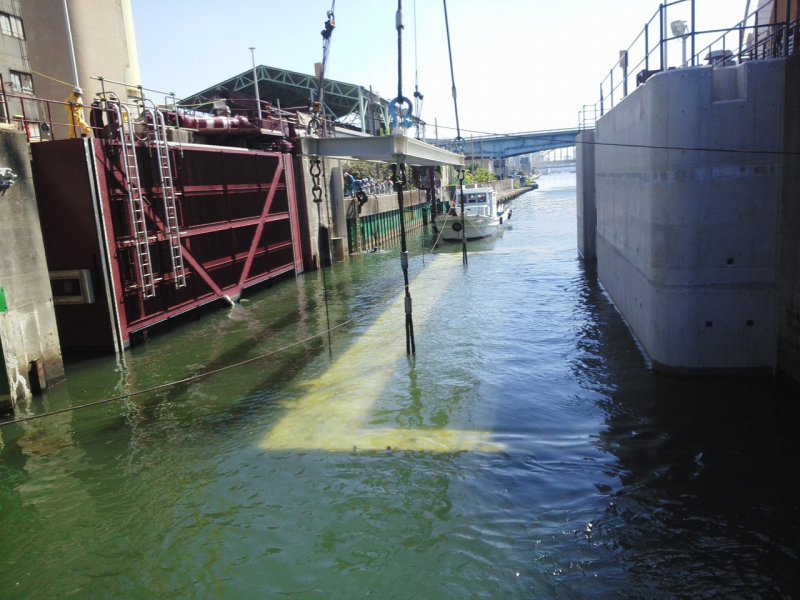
526,451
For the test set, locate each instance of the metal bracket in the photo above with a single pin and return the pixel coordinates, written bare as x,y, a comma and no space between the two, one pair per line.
7,179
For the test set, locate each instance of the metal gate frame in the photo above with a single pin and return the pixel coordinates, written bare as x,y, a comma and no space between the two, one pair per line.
241,247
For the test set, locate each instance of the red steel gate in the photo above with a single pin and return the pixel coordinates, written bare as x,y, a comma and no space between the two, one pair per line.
222,219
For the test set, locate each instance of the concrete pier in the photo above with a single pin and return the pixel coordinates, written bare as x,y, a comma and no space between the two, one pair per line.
689,182
31,353
788,321
586,198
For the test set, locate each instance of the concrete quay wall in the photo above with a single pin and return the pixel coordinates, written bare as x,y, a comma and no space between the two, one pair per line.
788,321
30,353
586,198
687,239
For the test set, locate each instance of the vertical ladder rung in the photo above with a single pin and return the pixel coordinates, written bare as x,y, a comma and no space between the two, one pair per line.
136,203
157,134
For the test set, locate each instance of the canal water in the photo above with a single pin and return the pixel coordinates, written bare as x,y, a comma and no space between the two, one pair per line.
526,451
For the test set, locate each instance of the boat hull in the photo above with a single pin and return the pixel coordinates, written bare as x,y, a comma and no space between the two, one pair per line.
476,227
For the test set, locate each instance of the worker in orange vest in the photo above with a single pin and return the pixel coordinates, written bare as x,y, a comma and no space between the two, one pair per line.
74,108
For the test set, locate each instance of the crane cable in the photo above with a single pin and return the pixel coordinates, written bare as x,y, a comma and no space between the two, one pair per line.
418,97
317,126
319,105
459,140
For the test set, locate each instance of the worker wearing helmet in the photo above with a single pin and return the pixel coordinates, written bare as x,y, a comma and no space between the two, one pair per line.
74,108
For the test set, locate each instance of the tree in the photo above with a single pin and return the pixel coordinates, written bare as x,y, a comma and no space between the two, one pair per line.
361,169
477,174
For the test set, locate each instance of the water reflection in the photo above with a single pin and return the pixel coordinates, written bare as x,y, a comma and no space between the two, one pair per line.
705,471
603,479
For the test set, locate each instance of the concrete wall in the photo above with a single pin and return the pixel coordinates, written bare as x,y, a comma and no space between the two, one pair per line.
687,239
12,49
586,202
104,40
28,333
789,276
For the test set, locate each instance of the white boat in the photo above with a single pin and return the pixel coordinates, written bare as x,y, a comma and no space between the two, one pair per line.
482,216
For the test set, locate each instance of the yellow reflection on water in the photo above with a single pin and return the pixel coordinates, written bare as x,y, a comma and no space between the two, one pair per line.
332,414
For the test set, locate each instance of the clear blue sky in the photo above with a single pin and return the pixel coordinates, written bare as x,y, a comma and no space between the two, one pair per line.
520,65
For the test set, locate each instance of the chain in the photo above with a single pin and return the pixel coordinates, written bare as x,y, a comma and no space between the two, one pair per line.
315,170
400,181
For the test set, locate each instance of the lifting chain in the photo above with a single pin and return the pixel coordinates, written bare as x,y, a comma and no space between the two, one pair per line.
458,144
315,170
399,182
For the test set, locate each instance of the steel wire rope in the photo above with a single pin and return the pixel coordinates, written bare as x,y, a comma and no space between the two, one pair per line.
418,97
327,34
438,236
316,192
198,376
329,217
690,148
316,126
400,180
458,139
66,83
644,146
182,105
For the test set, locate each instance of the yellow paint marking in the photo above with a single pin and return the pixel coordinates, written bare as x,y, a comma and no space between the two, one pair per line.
332,415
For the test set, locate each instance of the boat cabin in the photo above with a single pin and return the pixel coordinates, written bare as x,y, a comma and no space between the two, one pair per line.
478,202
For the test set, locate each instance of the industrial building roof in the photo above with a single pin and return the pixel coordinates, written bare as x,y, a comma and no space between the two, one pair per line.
344,102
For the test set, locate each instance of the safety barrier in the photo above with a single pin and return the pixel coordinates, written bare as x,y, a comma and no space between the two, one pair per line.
35,116
750,39
369,232
44,120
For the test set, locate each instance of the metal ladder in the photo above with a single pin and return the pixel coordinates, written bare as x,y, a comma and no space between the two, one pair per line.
157,135
135,201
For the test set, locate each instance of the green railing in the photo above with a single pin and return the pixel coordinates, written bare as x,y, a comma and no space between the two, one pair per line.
365,233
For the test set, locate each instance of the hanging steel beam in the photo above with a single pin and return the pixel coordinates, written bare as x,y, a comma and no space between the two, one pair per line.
389,149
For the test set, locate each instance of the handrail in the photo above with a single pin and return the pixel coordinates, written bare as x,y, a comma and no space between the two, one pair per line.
751,41
35,115
31,114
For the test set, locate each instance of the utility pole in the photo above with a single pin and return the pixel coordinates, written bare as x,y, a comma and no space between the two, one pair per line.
255,83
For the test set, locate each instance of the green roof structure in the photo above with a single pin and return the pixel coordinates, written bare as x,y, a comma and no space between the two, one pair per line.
345,103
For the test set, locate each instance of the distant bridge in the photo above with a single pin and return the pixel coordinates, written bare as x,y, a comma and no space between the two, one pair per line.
512,144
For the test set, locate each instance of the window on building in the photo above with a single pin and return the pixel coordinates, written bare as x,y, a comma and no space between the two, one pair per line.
11,25
21,82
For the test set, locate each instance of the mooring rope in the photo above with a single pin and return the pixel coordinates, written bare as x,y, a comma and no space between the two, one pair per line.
198,376
439,235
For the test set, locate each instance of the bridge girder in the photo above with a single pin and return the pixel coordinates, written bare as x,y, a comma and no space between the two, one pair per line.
506,146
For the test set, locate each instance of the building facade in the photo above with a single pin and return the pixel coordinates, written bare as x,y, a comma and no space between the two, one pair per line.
71,41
